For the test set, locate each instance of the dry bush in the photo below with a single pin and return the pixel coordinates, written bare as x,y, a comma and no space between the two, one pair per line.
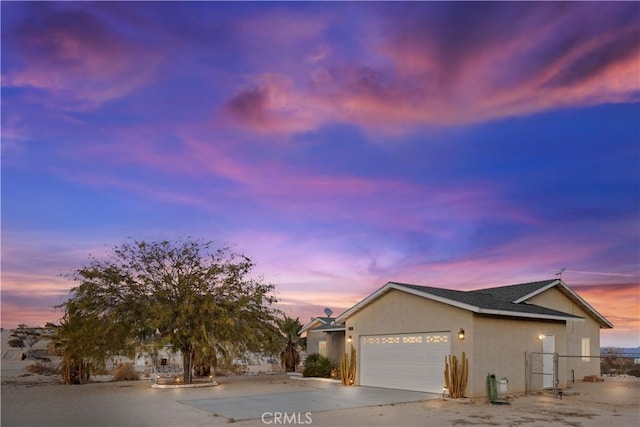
124,372
42,369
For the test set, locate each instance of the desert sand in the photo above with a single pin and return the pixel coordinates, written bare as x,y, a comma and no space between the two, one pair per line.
37,400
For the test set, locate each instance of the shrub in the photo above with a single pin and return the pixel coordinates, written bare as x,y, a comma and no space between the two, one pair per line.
15,342
125,372
42,369
635,372
317,365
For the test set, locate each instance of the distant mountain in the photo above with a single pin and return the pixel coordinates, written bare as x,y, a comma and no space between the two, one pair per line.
621,351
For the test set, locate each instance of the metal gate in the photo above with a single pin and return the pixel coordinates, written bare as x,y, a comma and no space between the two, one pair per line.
539,369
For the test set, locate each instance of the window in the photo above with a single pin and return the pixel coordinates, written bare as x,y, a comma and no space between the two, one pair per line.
586,349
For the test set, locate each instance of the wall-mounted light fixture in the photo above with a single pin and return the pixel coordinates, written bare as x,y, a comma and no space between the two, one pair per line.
461,334
540,337
349,339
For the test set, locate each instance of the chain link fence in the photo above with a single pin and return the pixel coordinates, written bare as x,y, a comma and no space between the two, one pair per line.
611,377
541,372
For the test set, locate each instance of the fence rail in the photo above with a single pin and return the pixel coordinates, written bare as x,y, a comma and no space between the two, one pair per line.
544,366
549,371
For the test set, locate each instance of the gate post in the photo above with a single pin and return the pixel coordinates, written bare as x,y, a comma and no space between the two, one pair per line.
556,380
527,370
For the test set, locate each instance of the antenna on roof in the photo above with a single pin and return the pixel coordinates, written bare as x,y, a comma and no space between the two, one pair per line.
560,272
328,312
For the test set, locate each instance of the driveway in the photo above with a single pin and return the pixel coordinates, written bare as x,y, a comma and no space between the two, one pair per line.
298,404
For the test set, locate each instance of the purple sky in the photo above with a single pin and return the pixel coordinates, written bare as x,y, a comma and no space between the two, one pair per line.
339,145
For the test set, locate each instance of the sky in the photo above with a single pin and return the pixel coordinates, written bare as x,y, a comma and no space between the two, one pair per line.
338,145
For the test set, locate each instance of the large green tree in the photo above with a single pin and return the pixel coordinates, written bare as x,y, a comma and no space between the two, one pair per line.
200,300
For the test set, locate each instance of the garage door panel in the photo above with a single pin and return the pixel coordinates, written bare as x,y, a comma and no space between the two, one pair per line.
404,361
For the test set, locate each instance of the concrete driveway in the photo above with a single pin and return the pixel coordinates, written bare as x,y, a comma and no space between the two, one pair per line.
298,404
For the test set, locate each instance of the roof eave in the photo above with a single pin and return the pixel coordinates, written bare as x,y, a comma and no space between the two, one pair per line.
537,291
528,315
342,329
364,302
437,298
475,309
310,325
397,286
604,323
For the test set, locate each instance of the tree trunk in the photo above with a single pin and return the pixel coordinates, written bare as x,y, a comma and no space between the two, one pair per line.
187,359
75,372
290,358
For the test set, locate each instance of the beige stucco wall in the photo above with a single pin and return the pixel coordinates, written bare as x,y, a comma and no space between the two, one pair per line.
500,346
576,330
401,312
313,337
493,344
335,345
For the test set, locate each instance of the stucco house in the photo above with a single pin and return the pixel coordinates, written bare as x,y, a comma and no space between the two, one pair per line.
402,333
324,336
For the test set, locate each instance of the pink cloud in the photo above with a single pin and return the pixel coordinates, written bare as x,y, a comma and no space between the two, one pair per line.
75,56
619,304
30,315
44,285
271,104
418,75
282,188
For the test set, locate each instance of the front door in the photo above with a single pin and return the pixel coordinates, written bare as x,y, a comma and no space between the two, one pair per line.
548,348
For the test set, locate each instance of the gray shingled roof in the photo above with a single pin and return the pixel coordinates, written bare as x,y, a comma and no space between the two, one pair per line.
328,324
486,301
515,292
508,300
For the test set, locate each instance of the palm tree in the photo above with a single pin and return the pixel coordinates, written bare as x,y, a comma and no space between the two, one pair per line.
290,328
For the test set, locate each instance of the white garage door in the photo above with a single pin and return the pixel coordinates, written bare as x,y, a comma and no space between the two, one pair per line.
404,361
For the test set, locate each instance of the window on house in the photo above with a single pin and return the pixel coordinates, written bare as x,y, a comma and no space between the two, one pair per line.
586,352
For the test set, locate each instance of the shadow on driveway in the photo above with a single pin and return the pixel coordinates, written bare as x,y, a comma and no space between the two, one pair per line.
331,399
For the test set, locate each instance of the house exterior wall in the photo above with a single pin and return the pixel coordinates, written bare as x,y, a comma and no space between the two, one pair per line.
335,345
401,312
575,366
313,337
500,346
493,344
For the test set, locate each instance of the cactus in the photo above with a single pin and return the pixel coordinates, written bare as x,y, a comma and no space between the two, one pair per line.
456,375
348,368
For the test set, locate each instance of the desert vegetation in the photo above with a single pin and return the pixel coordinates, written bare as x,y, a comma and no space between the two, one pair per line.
41,368
456,375
145,296
290,356
612,362
124,372
25,336
348,367
319,366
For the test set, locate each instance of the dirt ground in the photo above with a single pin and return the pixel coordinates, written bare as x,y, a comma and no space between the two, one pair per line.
35,400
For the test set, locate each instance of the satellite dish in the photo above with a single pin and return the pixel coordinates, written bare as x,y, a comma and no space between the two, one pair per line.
328,312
